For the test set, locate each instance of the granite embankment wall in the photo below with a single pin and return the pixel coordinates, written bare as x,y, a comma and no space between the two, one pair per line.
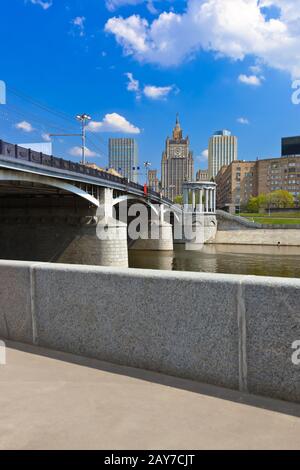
232,331
234,230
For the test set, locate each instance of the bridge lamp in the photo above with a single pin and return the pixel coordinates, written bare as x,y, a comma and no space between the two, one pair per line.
147,166
83,118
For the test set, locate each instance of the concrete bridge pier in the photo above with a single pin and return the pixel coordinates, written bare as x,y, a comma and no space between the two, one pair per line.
103,242
159,236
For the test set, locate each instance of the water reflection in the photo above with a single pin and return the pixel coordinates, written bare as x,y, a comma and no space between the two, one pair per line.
229,259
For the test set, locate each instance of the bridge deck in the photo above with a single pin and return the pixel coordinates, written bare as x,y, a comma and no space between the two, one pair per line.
18,158
54,400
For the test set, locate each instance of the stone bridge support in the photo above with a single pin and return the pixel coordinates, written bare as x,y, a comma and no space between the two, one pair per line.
103,241
158,235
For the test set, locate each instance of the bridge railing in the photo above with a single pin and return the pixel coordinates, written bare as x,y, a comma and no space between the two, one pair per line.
20,153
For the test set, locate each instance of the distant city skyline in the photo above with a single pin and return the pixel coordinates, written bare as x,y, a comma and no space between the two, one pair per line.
105,62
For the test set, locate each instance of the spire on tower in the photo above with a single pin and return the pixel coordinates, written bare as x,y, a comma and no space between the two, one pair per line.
177,132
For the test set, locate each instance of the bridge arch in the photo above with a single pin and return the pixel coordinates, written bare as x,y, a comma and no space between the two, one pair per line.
6,175
136,198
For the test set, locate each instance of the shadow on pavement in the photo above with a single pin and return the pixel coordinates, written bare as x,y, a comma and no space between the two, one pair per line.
288,408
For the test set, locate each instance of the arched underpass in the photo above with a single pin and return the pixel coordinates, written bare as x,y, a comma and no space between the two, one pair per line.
38,222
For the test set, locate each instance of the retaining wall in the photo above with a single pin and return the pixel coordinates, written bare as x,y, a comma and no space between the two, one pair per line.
232,331
258,237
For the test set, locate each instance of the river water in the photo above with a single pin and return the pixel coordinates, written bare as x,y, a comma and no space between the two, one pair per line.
229,259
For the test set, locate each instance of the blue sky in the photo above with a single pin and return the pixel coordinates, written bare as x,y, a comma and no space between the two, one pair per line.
183,56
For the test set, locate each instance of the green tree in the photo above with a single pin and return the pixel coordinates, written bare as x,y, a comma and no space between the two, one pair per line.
252,205
262,201
178,200
281,199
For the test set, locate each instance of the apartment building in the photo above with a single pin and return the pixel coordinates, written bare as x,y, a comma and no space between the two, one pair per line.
236,184
239,181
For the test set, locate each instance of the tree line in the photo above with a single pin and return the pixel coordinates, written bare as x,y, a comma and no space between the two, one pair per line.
279,199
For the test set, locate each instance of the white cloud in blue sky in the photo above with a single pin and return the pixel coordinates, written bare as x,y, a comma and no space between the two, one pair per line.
152,92
113,123
77,152
229,28
24,126
244,121
157,92
251,80
115,4
79,23
42,3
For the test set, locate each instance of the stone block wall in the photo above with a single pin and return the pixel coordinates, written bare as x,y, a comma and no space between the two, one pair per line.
231,331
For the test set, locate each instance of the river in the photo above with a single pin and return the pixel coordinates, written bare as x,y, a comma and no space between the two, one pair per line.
229,259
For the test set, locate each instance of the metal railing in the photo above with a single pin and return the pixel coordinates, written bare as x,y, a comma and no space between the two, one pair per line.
22,154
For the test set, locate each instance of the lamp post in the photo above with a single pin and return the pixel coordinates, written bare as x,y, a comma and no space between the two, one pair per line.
147,165
83,118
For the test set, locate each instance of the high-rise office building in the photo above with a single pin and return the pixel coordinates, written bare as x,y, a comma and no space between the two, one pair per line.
290,146
123,157
177,163
222,150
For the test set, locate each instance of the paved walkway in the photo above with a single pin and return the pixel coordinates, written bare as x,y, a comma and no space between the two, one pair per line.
51,400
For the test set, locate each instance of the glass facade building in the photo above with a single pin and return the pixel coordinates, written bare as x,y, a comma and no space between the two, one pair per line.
222,150
290,146
123,157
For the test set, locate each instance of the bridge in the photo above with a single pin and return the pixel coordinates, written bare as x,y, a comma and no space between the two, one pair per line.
52,209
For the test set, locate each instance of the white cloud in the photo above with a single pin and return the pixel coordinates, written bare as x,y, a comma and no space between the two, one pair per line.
150,91
78,22
230,28
202,157
131,33
204,154
113,123
132,85
115,4
42,3
24,126
77,152
243,120
157,92
251,80
46,137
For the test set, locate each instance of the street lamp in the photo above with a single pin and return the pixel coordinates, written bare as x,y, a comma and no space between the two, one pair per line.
147,165
83,118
